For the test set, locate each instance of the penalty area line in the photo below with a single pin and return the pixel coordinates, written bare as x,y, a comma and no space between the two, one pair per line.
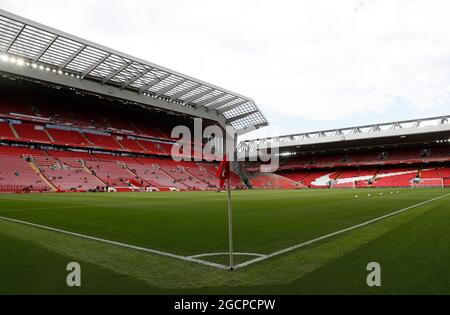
226,253
292,248
138,248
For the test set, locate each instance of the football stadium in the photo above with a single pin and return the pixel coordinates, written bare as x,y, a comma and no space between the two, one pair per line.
92,175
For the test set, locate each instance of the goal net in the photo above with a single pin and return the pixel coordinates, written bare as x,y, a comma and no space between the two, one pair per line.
427,182
342,185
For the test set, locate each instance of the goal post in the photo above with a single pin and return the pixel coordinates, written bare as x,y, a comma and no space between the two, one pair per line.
427,182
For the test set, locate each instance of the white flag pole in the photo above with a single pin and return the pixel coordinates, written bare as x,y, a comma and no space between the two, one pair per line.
230,223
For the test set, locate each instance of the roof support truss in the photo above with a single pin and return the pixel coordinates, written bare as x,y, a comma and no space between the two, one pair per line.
72,57
241,116
135,78
15,38
56,50
44,50
184,92
95,65
170,87
197,96
154,82
116,72
210,100
226,109
218,104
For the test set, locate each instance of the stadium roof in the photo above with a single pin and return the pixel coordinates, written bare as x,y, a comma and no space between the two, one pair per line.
437,127
39,45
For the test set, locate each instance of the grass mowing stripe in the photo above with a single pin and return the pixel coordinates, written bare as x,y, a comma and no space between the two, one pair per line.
149,250
289,249
56,207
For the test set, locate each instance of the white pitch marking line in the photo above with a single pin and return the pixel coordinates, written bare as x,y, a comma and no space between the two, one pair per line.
218,254
289,249
148,250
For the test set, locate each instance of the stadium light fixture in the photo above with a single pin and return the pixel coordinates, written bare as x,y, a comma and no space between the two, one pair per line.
4,58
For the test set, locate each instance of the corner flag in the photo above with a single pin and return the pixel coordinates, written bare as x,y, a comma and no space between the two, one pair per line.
224,173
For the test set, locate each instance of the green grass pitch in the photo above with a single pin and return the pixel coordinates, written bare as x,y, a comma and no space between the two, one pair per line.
412,247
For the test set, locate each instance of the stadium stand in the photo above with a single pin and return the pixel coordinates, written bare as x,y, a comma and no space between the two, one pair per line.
32,132
130,144
6,131
67,174
110,173
103,141
273,181
58,142
67,137
16,175
395,177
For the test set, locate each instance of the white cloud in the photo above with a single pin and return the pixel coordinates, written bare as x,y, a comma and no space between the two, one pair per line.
323,62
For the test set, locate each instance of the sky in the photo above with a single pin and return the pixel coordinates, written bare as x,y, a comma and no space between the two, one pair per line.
309,65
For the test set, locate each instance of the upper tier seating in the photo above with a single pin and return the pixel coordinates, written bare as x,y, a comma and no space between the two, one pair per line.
104,141
131,144
77,111
5,131
362,157
67,137
155,147
403,154
440,152
30,132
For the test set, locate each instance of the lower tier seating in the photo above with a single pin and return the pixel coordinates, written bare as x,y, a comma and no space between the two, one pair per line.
273,181
16,174
69,170
110,172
